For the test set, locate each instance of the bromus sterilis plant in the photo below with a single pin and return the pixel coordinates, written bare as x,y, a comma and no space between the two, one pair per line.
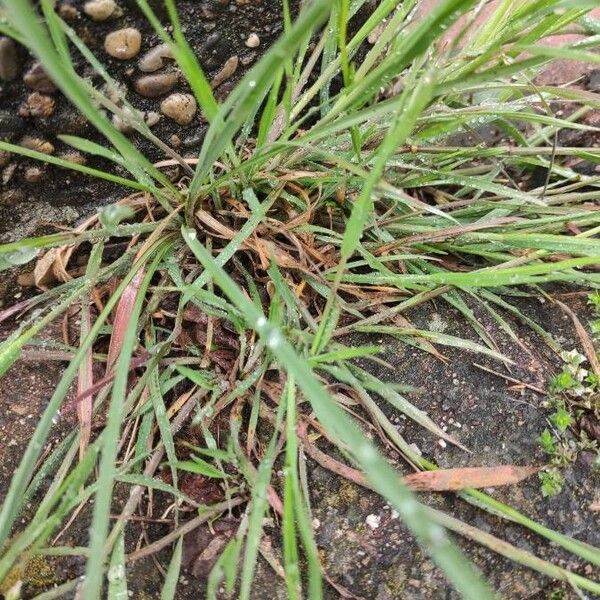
328,198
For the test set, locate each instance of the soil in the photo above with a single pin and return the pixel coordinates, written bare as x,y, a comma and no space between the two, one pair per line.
498,422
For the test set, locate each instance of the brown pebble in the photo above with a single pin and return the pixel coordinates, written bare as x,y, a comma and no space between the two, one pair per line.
33,174
155,85
154,59
4,158
123,43
229,68
68,12
37,144
37,79
73,156
174,140
179,107
207,11
37,105
100,10
9,59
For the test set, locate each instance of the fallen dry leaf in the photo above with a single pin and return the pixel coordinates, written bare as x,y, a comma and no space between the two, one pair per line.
441,480
445,480
203,546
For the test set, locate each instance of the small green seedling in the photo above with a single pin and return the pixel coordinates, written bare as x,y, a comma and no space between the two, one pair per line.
552,482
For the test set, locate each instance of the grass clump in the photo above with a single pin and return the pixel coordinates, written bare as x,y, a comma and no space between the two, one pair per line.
327,198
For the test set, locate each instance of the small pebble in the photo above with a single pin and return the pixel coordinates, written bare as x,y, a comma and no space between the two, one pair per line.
155,85
100,10
179,107
194,139
229,68
207,11
253,41
9,60
123,43
68,12
152,118
175,141
442,443
37,79
73,156
373,521
37,105
154,59
37,144
33,174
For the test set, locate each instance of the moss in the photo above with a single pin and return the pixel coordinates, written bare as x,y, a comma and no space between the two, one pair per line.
396,581
39,572
345,495
323,557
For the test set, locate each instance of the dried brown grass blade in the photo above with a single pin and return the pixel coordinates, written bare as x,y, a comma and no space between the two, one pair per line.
122,317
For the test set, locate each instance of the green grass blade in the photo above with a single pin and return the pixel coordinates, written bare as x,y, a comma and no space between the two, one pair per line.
117,576
382,476
250,92
169,588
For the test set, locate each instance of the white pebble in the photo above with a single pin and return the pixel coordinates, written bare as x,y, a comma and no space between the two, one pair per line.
253,41
373,521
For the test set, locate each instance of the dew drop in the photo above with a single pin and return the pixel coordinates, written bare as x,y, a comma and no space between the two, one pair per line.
274,340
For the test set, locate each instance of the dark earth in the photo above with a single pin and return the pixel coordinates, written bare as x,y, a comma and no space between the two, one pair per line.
497,421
